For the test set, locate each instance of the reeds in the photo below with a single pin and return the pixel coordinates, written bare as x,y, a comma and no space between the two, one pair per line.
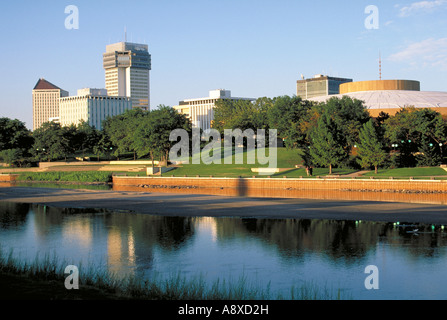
156,287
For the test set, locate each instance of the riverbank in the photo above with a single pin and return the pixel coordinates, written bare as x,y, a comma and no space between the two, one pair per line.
200,205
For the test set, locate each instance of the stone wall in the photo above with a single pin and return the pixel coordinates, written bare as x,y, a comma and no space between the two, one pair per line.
372,185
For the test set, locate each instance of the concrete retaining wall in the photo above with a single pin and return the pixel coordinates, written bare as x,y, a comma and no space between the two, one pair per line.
376,185
8,177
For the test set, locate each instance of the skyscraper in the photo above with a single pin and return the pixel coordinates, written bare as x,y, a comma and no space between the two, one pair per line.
127,67
46,102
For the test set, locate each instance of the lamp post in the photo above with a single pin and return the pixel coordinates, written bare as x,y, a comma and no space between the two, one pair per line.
442,154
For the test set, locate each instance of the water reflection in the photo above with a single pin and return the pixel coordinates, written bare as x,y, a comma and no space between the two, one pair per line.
284,252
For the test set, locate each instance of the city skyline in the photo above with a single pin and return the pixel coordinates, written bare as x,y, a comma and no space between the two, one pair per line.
254,48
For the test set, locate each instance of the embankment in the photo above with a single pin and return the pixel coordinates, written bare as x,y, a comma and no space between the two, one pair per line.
370,185
409,191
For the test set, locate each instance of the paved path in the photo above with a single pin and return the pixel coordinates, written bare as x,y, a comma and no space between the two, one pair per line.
355,174
221,206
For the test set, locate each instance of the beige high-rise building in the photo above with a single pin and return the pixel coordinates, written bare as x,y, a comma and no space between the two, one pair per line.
46,102
127,71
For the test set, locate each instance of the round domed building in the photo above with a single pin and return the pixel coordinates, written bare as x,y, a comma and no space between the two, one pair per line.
390,96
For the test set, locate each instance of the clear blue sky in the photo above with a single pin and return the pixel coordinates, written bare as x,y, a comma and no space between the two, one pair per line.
254,48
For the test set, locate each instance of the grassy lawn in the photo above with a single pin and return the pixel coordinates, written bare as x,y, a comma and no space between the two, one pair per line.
426,172
286,159
317,172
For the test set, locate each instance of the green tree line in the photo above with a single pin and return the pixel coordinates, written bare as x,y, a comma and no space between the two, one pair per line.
143,134
341,132
337,133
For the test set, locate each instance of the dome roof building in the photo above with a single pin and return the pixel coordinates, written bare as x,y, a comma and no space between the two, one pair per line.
390,96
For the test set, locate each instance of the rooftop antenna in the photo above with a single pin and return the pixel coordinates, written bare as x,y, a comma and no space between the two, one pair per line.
125,34
380,66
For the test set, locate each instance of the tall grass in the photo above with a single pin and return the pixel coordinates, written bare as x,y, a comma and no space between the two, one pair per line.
156,287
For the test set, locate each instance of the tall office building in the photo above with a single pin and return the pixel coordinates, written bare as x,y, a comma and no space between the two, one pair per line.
46,102
127,69
319,85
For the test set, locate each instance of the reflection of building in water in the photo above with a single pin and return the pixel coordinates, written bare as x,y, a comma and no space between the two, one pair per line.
78,231
121,251
208,224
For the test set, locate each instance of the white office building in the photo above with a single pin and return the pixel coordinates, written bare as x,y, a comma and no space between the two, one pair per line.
201,111
127,71
92,106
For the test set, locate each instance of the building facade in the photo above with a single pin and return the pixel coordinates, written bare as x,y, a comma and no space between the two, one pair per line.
318,86
201,111
92,106
377,85
390,96
46,102
127,71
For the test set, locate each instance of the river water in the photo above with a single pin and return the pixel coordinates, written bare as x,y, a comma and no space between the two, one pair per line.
273,253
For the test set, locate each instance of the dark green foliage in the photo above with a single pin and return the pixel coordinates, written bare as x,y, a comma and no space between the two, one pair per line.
370,148
326,143
15,142
151,136
120,130
50,142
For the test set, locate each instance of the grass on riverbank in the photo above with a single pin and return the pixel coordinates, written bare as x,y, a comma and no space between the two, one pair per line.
423,172
81,177
44,279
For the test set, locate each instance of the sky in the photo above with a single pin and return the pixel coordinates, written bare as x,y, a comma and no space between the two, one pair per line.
255,48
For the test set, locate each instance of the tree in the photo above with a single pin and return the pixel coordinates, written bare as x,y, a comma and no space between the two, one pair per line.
239,114
402,129
348,114
83,137
420,134
103,146
286,115
120,130
152,135
370,149
50,142
433,131
326,143
16,141
11,156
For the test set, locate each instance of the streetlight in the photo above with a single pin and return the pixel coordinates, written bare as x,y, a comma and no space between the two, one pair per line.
442,155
